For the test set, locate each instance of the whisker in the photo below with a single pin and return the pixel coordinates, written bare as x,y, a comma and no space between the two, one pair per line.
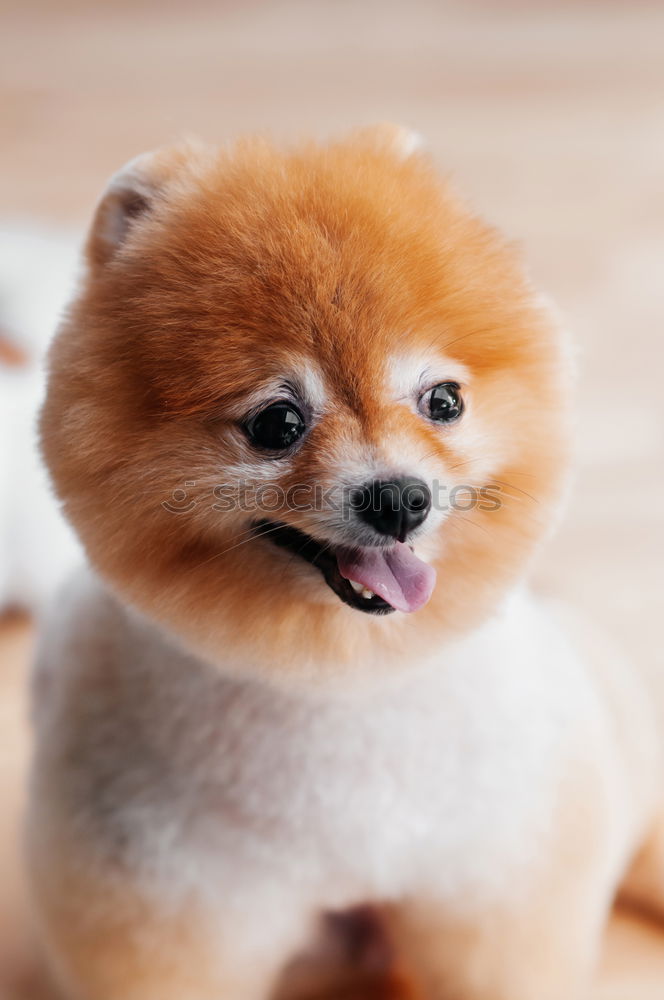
253,533
469,520
460,465
517,488
464,336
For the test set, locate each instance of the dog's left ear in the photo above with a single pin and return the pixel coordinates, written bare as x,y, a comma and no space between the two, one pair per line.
401,141
131,194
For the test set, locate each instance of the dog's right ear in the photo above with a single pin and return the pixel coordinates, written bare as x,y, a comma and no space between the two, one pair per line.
129,195
132,193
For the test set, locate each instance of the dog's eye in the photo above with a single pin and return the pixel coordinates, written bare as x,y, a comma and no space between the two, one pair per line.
443,403
276,427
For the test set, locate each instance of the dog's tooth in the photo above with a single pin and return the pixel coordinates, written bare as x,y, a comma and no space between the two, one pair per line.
367,593
357,587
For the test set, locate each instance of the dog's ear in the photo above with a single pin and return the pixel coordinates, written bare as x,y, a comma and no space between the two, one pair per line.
129,195
132,193
401,141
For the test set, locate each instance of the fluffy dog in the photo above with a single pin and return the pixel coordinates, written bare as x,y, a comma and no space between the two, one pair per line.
310,422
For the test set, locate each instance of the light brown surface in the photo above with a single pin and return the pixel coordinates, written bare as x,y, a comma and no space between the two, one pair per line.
548,115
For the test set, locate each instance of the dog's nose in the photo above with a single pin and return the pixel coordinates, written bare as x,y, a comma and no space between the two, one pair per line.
393,507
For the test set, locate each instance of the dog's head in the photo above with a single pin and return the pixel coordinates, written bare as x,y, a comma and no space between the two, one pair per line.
299,391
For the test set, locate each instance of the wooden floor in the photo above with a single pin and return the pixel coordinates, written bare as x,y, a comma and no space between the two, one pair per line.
549,115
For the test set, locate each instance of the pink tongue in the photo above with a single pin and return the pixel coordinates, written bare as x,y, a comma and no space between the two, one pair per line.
395,574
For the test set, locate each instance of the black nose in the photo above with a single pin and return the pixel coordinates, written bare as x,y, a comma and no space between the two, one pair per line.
393,507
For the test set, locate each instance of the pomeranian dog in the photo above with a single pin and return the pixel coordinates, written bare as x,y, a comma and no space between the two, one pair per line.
310,421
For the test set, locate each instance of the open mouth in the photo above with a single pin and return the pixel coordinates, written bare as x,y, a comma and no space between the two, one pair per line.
374,580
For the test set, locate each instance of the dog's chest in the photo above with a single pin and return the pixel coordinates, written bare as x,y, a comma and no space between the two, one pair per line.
457,766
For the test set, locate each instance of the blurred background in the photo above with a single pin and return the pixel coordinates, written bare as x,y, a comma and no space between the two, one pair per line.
548,115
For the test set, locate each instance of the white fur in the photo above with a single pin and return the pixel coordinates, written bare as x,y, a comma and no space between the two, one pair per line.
224,782
411,372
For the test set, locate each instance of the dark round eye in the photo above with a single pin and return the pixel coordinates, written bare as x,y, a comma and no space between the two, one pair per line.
276,427
443,403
